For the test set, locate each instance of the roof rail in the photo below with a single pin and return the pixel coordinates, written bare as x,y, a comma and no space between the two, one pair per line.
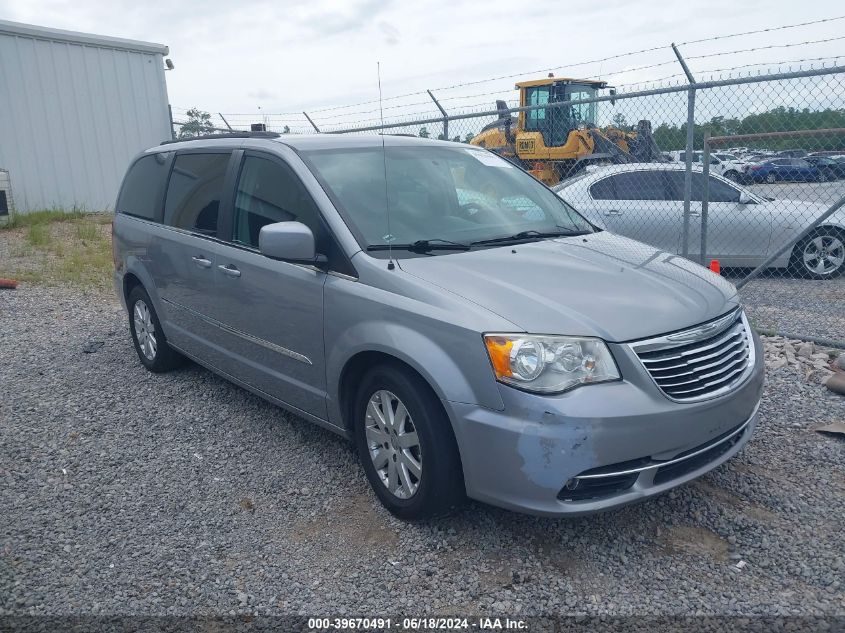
225,135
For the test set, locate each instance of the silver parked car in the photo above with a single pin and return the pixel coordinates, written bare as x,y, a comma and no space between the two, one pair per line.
465,327
646,202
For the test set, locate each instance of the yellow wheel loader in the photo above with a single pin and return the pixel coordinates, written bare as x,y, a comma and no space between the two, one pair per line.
556,142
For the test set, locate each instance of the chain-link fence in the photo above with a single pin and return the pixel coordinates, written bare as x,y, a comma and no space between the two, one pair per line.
744,172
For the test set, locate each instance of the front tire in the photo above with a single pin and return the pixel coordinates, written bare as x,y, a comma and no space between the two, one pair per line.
406,444
771,179
732,175
820,255
150,344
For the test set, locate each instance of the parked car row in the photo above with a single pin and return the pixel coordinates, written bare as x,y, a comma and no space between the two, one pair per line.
760,168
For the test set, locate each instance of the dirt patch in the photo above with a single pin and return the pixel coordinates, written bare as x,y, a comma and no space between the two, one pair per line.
698,541
748,508
353,524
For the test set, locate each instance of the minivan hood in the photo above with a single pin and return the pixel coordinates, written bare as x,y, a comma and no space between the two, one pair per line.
599,284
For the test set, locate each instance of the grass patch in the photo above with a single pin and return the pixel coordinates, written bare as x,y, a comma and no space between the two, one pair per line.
58,248
45,216
38,235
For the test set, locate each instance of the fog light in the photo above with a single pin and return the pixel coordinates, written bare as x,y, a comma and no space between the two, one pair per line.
571,484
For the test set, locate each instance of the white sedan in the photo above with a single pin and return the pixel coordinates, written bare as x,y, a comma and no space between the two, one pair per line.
644,201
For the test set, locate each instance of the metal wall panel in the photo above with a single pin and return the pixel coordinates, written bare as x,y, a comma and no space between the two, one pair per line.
74,110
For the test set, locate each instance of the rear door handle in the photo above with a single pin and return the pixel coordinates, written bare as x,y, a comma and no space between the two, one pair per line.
229,270
201,261
613,212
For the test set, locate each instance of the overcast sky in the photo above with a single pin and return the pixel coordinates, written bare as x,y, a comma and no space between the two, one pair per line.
288,55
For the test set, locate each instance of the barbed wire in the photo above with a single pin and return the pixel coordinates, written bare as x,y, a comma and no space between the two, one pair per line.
769,30
768,47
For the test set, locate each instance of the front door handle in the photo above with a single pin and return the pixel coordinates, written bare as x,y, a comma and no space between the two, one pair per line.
613,212
230,270
201,261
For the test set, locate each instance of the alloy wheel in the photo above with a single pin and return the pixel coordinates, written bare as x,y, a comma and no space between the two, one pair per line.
824,255
145,331
393,444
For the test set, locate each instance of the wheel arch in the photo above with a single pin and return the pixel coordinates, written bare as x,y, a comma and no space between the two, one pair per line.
353,372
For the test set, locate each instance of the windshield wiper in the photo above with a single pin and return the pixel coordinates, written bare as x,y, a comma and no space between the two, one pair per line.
525,235
422,246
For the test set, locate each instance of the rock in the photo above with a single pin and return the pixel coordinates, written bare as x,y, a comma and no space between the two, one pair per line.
777,363
806,349
92,346
840,361
836,383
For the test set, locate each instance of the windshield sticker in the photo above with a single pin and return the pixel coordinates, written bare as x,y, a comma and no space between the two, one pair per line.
486,158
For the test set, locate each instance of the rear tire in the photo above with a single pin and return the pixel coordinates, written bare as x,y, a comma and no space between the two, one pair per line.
406,444
150,344
732,175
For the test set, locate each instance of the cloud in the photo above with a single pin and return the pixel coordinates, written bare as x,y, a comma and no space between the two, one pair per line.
262,95
390,32
333,20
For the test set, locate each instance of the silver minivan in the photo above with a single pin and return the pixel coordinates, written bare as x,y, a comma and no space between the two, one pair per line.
466,328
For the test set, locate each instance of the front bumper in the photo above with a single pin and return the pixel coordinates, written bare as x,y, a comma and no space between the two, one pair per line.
626,439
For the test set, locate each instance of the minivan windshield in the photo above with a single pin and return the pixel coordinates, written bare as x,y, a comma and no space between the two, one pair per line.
453,197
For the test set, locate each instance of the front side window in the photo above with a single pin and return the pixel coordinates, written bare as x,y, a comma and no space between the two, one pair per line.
437,193
194,191
269,192
720,191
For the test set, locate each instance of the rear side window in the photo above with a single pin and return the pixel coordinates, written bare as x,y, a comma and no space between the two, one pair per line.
139,195
194,192
640,185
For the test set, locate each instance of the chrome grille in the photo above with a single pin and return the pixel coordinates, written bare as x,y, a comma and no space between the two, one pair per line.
702,362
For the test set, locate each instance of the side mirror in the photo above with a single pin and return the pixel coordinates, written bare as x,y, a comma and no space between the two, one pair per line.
744,198
288,241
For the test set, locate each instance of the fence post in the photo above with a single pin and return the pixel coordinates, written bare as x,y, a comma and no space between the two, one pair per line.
705,196
314,125
445,116
172,127
220,114
689,150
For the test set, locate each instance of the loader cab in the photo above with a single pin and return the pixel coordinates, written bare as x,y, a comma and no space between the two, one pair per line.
555,124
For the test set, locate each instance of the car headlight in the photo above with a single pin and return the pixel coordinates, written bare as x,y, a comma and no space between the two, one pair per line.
549,364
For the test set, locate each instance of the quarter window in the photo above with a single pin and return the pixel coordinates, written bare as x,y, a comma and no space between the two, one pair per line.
194,192
269,192
139,195
603,190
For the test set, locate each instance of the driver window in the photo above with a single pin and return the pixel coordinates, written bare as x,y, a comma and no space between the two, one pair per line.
269,192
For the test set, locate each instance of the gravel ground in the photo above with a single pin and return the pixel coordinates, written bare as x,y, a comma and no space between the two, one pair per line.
128,492
800,307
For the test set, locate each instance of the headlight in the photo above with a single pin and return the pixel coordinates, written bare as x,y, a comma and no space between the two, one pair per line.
549,364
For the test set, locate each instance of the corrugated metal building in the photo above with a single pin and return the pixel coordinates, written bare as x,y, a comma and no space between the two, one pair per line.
74,109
